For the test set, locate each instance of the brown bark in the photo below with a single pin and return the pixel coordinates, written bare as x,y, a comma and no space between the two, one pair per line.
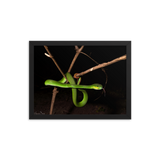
53,100
50,56
101,65
78,51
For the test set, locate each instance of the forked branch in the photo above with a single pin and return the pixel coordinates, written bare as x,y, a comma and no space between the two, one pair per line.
78,51
55,88
73,61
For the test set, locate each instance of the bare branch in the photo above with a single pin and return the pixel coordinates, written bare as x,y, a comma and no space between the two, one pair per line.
50,56
55,89
53,100
78,50
101,65
98,64
101,69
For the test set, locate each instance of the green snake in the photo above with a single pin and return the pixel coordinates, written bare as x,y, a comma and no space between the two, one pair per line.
74,87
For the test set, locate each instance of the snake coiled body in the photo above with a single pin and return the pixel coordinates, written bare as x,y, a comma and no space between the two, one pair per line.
72,84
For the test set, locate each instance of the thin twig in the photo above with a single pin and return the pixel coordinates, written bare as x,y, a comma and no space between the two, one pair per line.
55,88
101,69
98,64
78,50
101,65
50,56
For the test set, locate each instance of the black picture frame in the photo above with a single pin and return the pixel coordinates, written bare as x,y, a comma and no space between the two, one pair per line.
112,44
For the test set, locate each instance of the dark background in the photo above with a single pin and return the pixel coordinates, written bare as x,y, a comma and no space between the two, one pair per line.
44,68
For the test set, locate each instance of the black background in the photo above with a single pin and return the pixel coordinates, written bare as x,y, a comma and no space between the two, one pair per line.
44,68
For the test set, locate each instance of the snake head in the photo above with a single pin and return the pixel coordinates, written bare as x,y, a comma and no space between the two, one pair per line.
97,86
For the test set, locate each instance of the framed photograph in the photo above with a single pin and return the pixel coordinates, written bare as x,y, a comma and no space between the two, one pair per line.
79,79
